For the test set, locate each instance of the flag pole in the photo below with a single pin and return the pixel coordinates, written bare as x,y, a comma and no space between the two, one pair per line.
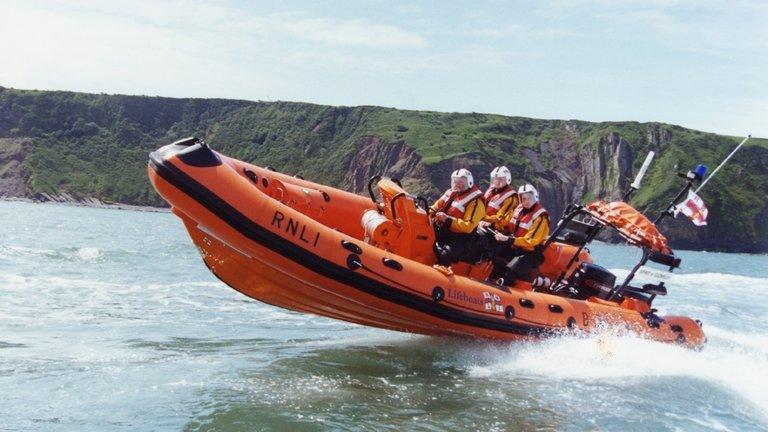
691,176
671,206
722,163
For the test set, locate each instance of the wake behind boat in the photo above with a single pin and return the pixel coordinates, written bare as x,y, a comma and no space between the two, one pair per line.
312,248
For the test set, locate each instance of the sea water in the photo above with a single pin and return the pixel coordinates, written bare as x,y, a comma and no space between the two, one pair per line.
109,321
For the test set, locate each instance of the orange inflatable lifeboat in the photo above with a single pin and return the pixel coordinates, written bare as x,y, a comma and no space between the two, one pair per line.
311,248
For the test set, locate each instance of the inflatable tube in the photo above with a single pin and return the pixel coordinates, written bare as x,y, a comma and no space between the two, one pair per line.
311,248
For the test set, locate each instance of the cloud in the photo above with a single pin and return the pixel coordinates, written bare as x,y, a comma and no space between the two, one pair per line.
352,33
399,54
92,51
224,19
711,27
522,31
178,49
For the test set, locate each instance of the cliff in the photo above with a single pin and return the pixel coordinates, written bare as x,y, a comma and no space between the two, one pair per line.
64,145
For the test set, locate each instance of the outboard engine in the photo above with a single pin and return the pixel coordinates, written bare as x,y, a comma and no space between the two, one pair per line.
592,280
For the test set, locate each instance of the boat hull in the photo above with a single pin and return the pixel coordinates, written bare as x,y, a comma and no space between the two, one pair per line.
309,257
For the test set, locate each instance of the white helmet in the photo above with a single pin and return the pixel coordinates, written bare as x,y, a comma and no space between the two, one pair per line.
466,174
501,172
528,188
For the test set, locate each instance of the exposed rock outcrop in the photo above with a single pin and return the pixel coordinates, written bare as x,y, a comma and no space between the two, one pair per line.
657,137
564,174
373,156
69,199
14,173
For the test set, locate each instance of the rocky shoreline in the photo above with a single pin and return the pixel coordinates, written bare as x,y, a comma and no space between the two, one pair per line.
69,200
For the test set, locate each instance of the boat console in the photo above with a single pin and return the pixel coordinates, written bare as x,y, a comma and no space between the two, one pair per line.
400,224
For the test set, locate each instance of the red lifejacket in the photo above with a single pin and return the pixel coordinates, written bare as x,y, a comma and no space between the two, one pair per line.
494,198
523,219
455,204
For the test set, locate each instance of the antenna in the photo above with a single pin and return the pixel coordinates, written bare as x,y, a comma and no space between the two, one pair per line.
643,169
640,174
723,163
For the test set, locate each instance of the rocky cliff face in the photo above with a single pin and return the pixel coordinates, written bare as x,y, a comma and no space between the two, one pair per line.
372,156
565,170
14,173
561,171
574,175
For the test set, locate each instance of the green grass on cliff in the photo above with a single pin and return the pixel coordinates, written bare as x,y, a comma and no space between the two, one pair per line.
441,136
97,145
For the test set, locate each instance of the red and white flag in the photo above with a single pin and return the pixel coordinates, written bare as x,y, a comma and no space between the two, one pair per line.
694,208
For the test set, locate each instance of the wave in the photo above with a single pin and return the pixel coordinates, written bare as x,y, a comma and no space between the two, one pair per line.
85,253
754,342
88,253
76,300
22,251
735,361
720,279
64,282
707,279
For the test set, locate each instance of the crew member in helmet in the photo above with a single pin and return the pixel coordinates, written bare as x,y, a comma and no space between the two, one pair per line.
457,214
500,199
519,248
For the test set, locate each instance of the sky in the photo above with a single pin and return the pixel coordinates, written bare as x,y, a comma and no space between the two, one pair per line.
700,64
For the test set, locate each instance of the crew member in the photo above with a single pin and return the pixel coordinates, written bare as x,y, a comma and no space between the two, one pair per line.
500,199
457,214
519,252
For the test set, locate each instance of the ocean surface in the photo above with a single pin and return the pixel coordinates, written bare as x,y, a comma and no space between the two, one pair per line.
109,321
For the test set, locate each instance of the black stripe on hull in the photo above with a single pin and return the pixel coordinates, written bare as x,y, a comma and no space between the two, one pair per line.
323,267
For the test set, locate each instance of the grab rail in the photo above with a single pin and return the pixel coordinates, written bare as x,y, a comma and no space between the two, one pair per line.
370,187
392,204
424,204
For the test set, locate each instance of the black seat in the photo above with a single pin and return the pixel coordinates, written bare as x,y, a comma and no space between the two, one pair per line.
669,260
655,289
577,233
646,293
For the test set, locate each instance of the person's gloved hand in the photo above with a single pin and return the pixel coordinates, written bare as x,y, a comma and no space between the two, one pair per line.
442,217
502,238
